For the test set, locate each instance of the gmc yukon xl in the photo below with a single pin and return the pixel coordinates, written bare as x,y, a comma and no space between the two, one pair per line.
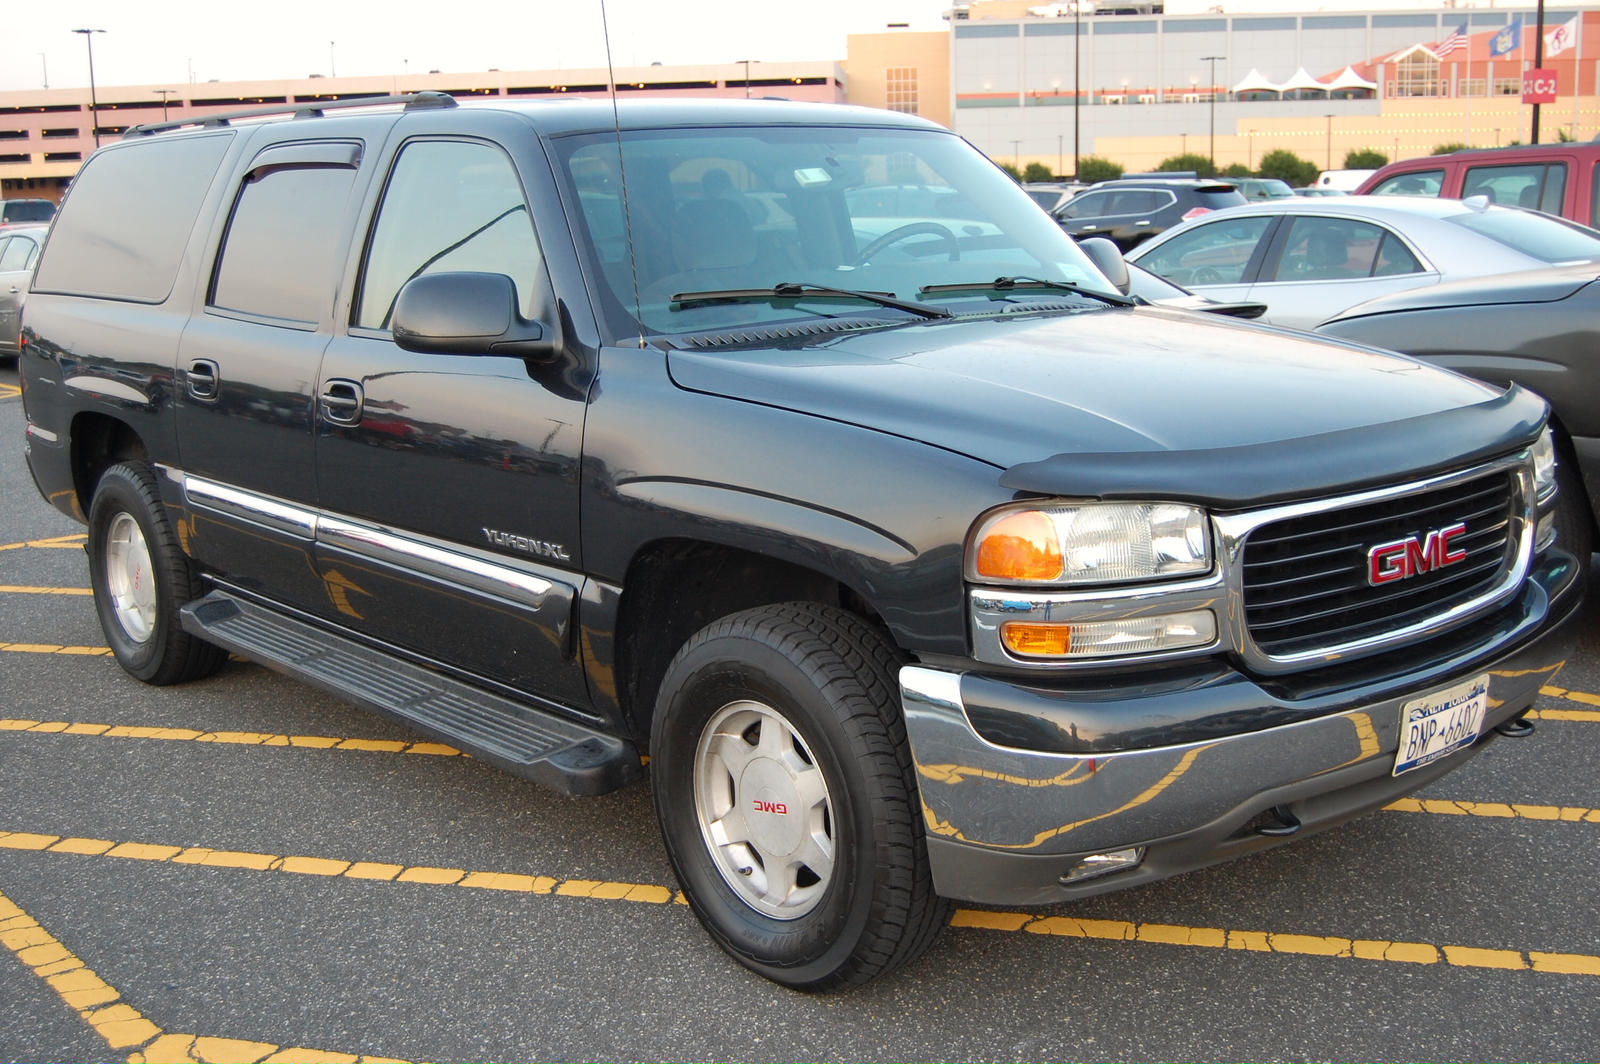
793,447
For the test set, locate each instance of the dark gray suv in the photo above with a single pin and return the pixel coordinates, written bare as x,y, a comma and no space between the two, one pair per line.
1132,210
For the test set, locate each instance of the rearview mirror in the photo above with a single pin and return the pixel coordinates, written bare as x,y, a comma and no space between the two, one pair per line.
462,313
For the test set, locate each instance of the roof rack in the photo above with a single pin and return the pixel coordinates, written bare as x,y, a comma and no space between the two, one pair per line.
413,101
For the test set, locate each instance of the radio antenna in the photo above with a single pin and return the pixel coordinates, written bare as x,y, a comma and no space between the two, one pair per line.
622,174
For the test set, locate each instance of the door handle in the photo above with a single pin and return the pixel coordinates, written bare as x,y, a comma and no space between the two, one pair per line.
203,379
342,401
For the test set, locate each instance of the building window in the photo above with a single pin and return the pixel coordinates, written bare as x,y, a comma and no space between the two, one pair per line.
1508,86
901,83
1470,87
1417,74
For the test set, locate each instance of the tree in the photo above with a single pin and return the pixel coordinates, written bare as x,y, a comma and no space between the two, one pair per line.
1092,168
1563,137
1446,149
1287,166
1365,159
1200,164
1037,172
1238,170
1010,170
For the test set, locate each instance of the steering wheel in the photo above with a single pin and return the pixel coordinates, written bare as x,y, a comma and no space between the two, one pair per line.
1205,275
894,236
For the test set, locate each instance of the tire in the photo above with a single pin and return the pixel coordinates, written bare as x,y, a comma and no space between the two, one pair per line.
140,578
787,798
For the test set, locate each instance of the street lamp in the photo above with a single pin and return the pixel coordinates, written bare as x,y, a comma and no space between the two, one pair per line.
164,93
44,69
1213,59
94,104
747,63
1077,54
1330,142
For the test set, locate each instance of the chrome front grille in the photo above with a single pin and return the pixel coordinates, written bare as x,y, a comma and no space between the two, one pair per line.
1306,577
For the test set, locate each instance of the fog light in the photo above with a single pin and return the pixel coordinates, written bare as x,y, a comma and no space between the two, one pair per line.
1102,864
1099,639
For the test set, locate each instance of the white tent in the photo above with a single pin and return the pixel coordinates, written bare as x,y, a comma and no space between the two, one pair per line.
1255,81
1302,81
1349,79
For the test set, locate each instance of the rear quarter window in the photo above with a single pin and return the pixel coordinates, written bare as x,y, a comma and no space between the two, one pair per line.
1416,183
125,223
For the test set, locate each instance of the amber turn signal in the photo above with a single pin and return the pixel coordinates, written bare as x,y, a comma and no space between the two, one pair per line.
1037,640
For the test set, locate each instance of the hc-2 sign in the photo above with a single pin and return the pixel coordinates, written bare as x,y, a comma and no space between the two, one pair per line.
1538,86
1402,558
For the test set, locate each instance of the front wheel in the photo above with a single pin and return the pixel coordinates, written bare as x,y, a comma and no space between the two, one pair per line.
787,800
141,578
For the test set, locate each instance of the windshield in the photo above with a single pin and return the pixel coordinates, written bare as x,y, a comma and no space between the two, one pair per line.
739,210
1545,238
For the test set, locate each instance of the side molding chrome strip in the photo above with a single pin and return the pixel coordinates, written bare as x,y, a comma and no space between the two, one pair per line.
275,514
450,566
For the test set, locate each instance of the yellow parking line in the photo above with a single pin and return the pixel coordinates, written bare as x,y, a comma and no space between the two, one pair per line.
9,391
13,589
1270,942
237,738
1497,810
72,541
1583,697
119,1023
53,648
655,894
427,875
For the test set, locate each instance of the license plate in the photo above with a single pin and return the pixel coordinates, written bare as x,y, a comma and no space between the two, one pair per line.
1439,724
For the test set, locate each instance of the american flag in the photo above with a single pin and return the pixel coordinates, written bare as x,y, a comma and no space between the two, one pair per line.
1457,39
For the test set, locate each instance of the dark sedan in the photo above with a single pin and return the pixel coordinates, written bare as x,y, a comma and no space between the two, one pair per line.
1540,329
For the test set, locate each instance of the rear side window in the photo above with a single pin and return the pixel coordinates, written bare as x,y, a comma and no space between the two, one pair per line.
123,229
282,249
1325,249
1539,186
1416,183
17,253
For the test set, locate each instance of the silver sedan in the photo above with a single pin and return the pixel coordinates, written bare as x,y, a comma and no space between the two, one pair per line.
1307,260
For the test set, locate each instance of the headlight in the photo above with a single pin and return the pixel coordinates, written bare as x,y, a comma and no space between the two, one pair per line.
1544,466
1090,543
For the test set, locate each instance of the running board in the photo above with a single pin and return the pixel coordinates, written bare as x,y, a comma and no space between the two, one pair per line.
539,746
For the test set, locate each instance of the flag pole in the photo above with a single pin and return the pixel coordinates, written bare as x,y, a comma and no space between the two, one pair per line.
1538,61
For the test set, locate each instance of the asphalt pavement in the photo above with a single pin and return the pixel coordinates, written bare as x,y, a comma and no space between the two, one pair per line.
246,869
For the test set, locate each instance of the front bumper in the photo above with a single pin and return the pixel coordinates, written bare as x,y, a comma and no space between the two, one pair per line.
1006,824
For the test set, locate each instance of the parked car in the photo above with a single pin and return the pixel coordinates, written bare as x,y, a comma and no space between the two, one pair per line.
1262,188
1132,210
13,211
19,249
923,564
1554,178
1313,190
1052,194
1539,329
1310,259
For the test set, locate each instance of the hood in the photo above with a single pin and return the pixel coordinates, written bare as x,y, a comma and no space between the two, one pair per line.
1547,285
1153,388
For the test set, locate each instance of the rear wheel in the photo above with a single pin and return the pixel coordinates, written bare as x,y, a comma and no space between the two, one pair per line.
786,796
141,578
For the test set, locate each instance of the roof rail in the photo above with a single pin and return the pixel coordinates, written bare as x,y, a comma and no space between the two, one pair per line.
413,101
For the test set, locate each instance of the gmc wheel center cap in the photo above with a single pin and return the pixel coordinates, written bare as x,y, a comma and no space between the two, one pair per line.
771,807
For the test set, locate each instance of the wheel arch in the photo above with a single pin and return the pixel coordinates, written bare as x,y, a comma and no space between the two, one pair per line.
99,441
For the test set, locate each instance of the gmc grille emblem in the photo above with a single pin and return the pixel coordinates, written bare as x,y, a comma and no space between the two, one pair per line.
1413,556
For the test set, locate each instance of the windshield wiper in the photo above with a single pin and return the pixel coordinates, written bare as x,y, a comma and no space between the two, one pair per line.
802,289
1028,284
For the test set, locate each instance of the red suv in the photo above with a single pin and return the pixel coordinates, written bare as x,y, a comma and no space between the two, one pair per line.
1556,178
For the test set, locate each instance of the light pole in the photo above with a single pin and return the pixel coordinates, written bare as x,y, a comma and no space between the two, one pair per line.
1016,160
94,104
1077,97
332,72
1330,142
45,70
747,63
1213,59
164,93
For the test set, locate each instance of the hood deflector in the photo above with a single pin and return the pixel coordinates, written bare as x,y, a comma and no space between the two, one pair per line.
1329,463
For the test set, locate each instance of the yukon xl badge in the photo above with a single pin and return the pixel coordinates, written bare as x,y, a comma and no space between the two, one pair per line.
554,551
1413,556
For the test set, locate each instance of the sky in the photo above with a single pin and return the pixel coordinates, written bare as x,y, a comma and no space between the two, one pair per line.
178,41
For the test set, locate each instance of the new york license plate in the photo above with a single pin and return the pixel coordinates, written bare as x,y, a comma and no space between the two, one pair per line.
1441,723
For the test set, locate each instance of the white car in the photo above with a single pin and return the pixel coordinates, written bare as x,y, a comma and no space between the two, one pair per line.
1309,259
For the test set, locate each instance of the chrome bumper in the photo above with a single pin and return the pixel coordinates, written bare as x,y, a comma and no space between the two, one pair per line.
1004,825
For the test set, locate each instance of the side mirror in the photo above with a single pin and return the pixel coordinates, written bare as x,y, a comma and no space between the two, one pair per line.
461,313
1107,258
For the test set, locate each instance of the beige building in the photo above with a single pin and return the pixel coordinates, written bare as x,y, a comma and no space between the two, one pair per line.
901,71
